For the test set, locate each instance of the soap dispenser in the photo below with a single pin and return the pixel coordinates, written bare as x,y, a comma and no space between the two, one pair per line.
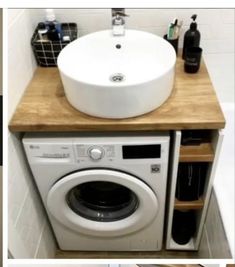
192,36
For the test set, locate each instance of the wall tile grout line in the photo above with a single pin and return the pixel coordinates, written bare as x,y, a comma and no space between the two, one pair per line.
40,239
21,209
208,243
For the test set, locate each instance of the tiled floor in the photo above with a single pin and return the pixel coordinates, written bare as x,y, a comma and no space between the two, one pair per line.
214,230
127,255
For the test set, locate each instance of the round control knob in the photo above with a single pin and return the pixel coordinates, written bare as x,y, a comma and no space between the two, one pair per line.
96,153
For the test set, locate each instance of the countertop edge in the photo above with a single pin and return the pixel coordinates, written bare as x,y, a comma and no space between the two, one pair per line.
110,128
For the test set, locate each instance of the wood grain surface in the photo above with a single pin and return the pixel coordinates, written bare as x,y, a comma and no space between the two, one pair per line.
189,205
203,152
192,105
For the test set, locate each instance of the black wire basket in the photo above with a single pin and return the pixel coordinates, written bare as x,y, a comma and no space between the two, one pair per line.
46,52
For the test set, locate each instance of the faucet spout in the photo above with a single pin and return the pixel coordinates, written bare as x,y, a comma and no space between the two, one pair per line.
118,21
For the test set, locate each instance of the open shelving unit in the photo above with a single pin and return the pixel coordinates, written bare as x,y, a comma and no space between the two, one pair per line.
203,152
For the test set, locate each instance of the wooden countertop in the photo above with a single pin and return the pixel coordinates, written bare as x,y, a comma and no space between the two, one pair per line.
192,105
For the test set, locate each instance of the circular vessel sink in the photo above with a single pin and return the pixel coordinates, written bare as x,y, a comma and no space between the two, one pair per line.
117,76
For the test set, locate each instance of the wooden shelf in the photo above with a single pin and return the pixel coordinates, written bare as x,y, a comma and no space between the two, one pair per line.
189,205
200,153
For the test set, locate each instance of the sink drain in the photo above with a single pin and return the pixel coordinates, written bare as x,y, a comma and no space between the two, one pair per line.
117,77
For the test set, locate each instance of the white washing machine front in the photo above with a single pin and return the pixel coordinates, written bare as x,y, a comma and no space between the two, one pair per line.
102,202
102,192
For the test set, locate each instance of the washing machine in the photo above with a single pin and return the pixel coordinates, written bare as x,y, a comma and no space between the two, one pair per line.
102,192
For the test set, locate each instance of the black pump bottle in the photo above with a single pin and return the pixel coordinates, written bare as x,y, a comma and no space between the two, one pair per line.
52,32
192,36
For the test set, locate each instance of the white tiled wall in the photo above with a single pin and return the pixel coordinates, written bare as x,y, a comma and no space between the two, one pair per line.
221,69
217,31
216,25
1,137
26,215
21,63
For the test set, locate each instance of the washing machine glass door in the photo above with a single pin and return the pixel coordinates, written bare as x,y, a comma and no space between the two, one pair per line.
102,202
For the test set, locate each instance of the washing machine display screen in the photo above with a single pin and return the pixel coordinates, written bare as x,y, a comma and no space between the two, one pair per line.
141,151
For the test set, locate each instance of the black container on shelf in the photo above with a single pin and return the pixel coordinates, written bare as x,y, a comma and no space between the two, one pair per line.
183,226
191,180
192,59
173,42
195,137
46,52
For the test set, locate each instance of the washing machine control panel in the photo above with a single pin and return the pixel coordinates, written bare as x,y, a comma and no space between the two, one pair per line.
95,152
149,150
118,152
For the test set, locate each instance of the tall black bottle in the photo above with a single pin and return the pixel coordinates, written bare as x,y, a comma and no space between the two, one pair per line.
52,32
191,37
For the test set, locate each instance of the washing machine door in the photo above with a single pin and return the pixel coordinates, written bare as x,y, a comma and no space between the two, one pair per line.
102,202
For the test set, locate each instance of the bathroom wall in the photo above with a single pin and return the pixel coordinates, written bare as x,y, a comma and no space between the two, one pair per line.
1,137
225,187
216,27
20,58
29,233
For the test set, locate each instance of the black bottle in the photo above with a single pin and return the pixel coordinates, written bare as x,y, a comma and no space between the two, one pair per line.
52,33
183,226
191,37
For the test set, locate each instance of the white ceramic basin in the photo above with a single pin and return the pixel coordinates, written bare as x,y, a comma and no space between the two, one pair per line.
117,76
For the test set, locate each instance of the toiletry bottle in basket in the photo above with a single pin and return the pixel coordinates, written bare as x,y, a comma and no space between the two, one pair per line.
50,18
52,32
42,32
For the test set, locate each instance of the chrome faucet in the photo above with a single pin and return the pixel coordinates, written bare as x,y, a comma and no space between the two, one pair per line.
118,21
